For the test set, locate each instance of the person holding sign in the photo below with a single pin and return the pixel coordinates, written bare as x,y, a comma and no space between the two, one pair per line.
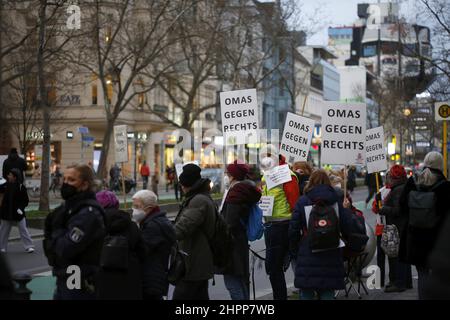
240,197
276,227
319,271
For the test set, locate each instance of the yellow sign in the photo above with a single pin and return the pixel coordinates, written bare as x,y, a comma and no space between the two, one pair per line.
444,111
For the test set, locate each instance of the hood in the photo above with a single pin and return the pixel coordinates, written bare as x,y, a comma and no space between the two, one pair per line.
201,186
244,192
324,193
117,220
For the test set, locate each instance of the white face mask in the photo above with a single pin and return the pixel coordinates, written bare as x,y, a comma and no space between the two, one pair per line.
138,215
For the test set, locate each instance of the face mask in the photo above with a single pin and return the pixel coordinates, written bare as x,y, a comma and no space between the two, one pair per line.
338,186
68,191
138,215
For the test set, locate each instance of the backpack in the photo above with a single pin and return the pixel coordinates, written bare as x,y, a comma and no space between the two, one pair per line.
255,225
357,238
115,253
221,243
390,241
422,207
323,227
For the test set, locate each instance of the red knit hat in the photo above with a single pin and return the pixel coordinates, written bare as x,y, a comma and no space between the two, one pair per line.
238,170
397,171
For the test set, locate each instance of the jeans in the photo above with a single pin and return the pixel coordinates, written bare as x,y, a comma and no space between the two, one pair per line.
237,286
324,294
424,274
191,290
144,182
5,229
277,256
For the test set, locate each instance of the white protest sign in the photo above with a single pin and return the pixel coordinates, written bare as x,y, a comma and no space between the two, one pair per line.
343,133
375,151
297,136
121,143
179,167
239,111
266,205
277,176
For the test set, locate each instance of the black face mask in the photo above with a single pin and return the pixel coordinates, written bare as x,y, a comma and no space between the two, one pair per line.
68,191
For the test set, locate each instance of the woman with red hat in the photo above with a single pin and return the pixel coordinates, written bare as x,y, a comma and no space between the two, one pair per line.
241,196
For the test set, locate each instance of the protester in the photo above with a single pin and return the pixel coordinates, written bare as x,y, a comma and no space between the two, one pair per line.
317,273
418,242
125,283
145,173
351,179
155,182
400,277
276,228
14,162
303,171
159,236
194,226
12,210
240,197
114,175
74,234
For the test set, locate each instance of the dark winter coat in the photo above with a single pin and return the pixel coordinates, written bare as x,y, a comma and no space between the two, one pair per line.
438,285
159,236
321,270
391,208
417,244
123,285
302,181
236,209
194,226
14,161
15,198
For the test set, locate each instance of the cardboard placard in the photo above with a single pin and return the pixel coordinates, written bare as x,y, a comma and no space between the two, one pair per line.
343,133
277,176
376,159
297,137
266,205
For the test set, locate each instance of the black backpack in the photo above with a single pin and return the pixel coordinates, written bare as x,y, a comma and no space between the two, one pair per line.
422,207
115,253
323,227
221,242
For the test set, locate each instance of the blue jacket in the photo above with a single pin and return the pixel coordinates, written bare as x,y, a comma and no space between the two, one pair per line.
323,270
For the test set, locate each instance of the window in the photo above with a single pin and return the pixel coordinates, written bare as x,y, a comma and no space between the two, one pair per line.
141,100
94,90
369,50
109,89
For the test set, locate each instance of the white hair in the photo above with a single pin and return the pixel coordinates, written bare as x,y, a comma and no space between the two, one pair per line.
148,198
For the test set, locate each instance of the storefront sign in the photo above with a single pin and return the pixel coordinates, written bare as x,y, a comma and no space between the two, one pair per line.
343,133
297,136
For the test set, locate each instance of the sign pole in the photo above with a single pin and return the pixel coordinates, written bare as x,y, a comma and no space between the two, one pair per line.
345,182
445,152
123,187
378,188
304,103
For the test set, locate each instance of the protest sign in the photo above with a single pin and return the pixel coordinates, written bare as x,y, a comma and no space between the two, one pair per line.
277,176
297,136
240,119
121,143
376,159
266,205
343,133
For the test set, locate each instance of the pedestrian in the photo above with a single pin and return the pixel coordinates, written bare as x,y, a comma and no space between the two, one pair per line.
12,210
351,179
145,173
277,226
318,273
116,282
303,171
159,236
418,241
239,199
114,175
400,277
194,226
14,161
36,172
74,234
155,182
56,180
371,183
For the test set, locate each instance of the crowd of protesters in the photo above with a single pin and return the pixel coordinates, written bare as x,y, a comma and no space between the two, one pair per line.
136,255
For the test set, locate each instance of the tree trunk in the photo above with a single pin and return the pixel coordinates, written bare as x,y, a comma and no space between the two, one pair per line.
102,169
45,167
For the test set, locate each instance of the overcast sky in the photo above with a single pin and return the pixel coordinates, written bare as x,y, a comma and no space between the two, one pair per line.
344,12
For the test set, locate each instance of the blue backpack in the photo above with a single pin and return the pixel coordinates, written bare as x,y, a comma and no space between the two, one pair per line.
255,225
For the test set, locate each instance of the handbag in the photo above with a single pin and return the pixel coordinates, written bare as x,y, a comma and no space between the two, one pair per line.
177,265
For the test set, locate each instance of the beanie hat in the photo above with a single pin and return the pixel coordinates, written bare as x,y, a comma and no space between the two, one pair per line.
238,170
107,199
190,175
397,171
434,160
